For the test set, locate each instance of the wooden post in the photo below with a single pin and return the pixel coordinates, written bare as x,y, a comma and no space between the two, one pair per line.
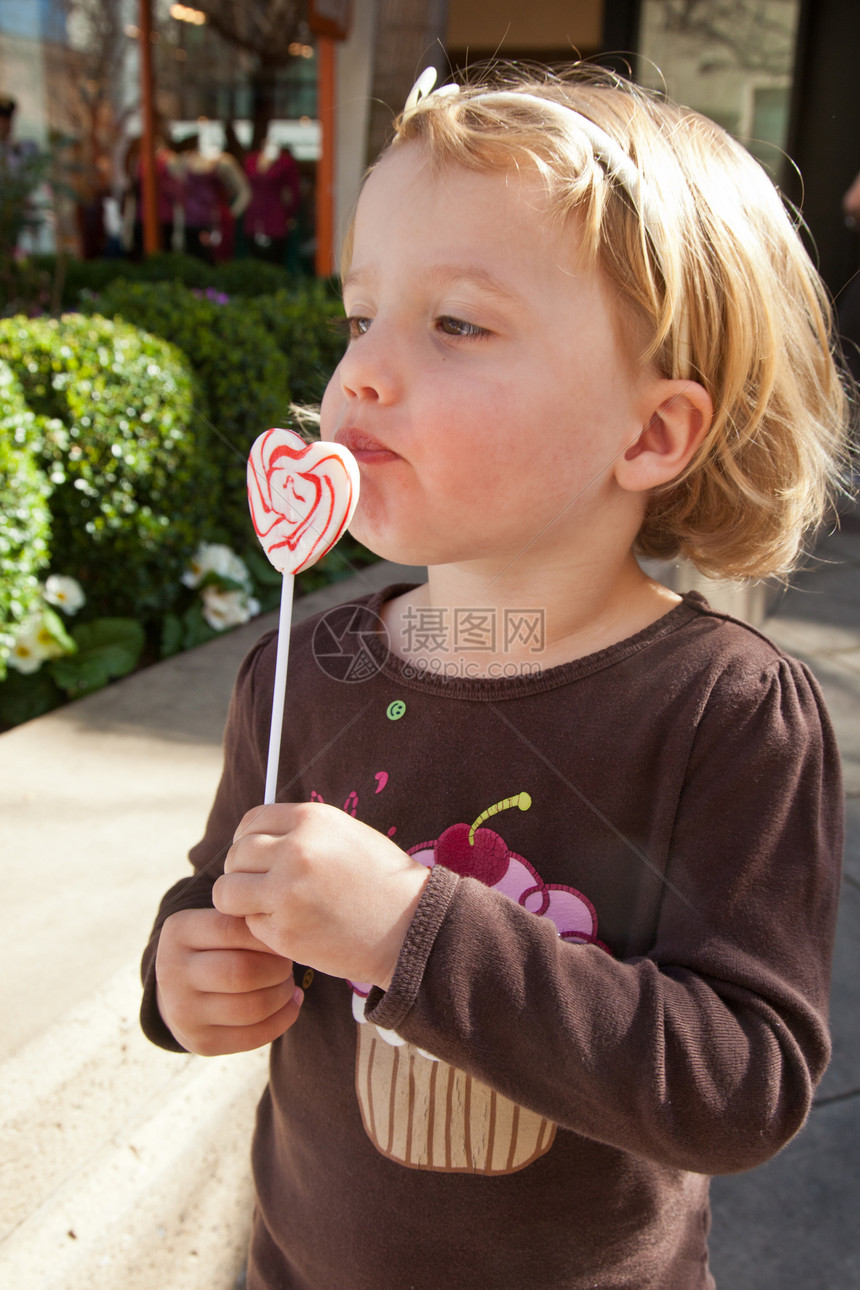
148,177
325,166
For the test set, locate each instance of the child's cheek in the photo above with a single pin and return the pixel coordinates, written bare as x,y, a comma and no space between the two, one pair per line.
329,407
374,527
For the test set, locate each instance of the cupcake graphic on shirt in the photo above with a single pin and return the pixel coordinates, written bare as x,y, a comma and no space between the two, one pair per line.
419,1110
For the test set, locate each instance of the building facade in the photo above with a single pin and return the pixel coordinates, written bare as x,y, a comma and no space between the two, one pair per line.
777,73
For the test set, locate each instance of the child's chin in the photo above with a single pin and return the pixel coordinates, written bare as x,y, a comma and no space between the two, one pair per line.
388,546
406,540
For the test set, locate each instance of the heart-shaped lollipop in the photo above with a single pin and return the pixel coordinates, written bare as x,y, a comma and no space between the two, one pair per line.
302,497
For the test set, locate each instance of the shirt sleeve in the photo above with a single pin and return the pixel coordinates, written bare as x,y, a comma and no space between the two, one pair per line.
241,787
702,1054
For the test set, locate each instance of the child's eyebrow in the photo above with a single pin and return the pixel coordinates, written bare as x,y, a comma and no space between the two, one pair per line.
447,275
457,275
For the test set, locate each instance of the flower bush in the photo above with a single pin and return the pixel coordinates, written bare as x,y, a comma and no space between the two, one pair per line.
41,636
124,528
50,664
24,515
225,598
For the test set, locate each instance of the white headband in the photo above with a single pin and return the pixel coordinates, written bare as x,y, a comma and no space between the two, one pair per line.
604,147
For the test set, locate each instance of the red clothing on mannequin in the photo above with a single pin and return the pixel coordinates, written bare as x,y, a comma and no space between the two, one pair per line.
274,197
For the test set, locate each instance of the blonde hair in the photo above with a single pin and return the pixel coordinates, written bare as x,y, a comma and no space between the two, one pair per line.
708,266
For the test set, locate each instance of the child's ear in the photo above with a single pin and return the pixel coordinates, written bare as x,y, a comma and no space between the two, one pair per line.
678,414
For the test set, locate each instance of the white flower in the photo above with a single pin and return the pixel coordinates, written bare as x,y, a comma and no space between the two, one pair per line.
212,557
26,655
66,593
223,606
31,646
223,609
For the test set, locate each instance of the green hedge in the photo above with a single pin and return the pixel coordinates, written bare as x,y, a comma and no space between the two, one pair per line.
123,442
249,277
24,514
298,313
242,277
116,432
242,380
302,323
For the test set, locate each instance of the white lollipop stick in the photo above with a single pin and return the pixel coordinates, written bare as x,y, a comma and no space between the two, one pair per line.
280,688
302,497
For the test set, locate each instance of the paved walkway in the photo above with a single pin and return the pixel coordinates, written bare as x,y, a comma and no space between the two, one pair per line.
121,1165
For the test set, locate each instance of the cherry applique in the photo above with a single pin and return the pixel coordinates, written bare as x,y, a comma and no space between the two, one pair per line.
475,852
486,858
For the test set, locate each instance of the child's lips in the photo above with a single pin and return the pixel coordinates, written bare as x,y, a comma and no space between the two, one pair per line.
364,447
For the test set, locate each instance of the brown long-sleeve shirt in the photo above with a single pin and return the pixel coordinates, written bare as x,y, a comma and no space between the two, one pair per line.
612,987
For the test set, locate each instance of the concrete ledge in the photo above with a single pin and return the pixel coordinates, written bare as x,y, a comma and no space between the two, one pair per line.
132,1164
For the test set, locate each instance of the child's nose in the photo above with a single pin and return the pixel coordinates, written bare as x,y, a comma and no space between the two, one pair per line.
368,368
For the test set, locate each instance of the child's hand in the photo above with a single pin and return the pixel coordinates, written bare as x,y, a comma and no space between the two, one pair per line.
318,886
219,990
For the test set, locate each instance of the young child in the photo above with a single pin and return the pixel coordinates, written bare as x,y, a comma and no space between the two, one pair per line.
562,868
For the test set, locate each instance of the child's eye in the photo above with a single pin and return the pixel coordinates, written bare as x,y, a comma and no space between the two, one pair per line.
457,327
351,327
356,326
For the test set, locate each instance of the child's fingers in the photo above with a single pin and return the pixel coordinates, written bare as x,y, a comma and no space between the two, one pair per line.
216,1040
240,1011
254,853
276,818
241,895
237,971
214,994
209,929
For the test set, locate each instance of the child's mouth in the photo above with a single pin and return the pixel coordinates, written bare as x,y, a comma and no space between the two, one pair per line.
365,449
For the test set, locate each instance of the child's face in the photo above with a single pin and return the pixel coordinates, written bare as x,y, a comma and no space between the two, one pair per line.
485,391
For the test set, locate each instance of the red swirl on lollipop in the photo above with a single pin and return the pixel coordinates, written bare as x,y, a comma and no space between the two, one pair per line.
302,497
